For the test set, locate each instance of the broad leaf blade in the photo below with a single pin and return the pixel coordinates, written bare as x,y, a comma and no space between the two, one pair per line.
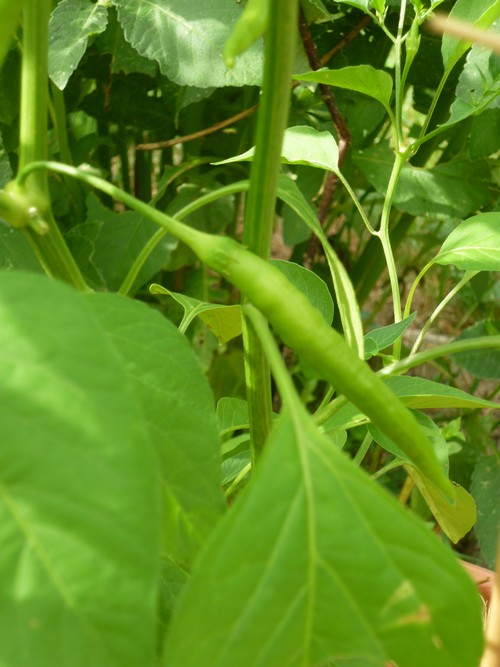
305,586
302,145
480,13
474,245
359,78
378,339
480,363
478,86
178,411
106,245
71,25
79,498
486,491
187,40
309,284
426,191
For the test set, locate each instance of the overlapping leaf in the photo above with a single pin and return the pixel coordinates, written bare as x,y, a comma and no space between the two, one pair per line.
71,25
187,39
79,498
179,414
316,564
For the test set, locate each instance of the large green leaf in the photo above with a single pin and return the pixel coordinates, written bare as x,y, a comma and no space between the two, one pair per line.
478,86
414,392
302,145
79,497
10,14
309,284
481,363
178,410
187,40
474,245
15,251
359,78
106,245
486,491
480,13
71,24
318,563
455,188
454,519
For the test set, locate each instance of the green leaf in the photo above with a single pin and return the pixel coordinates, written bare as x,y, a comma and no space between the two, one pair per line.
301,145
474,245
478,86
480,363
124,58
79,495
106,245
414,392
187,40
223,321
232,414
480,13
71,24
378,339
305,587
485,134
453,189
360,78
420,393
344,291
486,491
16,252
309,284
454,519
10,14
178,410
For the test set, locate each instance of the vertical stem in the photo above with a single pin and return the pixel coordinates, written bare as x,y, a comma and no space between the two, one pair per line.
399,92
50,248
260,210
385,240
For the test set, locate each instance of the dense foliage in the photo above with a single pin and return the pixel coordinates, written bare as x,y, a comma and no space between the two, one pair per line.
177,176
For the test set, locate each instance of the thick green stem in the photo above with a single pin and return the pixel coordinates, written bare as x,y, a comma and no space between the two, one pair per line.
261,201
50,247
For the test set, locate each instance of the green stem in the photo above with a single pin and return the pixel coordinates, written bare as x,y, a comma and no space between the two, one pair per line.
467,277
399,92
261,201
50,248
456,347
362,451
385,238
356,202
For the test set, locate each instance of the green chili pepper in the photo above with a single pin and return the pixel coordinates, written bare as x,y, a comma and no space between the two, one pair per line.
298,322
302,327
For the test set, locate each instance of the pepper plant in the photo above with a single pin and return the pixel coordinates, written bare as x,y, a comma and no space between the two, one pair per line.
212,455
